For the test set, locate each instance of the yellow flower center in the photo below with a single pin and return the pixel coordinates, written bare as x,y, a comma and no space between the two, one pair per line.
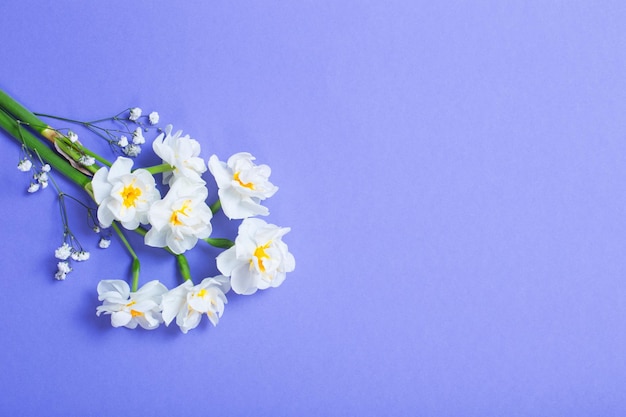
130,194
260,254
245,185
134,313
183,211
201,293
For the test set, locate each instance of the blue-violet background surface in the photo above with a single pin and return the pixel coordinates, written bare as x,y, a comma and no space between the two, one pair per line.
453,174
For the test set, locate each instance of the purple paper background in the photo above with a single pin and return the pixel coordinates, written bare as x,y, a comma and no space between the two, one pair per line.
453,175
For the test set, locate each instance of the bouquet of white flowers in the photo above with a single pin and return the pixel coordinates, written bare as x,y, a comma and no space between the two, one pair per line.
130,199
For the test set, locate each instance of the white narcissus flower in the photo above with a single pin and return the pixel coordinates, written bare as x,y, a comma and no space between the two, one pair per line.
187,303
259,259
181,218
130,309
242,185
181,152
122,195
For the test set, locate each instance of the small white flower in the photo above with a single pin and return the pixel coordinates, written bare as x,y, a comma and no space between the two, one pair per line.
45,168
96,229
181,218
86,160
42,177
123,195
181,152
154,118
123,141
242,185
138,138
80,256
135,113
63,268
132,150
63,252
25,165
259,259
104,243
73,137
130,309
33,187
187,303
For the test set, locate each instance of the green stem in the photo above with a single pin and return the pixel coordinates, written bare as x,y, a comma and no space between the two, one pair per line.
183,267
136,265
215,207
140,231
114,118
63,119
80,122
157,169
74,151
19,133
92,126
219,242
21,113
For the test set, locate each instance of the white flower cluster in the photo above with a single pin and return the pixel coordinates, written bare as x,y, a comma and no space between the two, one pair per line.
132,147
86,160
72,136
258,260
64,254
135,114
39,179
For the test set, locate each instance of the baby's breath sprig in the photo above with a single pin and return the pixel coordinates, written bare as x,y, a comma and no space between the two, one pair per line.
125,138
71,248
